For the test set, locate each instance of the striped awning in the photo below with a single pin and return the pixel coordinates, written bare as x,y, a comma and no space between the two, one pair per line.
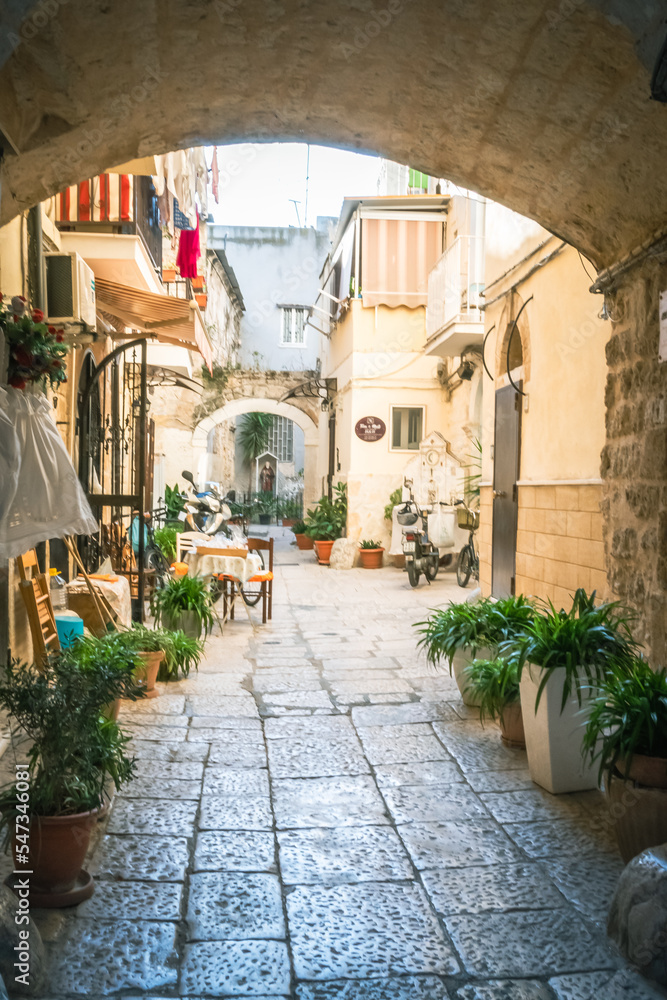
169,319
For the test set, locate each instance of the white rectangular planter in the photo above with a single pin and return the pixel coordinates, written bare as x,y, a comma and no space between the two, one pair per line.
460,660
553,740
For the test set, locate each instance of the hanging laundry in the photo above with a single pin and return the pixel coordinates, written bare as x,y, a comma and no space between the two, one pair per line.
215,174
188,252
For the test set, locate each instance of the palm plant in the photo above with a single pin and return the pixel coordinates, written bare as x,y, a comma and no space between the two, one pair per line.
253,438
581,643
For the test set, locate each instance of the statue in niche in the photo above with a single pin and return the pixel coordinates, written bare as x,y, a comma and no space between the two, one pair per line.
266,478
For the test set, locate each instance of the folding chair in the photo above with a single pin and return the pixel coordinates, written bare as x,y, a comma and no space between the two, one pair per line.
37,599
264,578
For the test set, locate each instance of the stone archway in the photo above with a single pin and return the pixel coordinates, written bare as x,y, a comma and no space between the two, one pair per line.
237,407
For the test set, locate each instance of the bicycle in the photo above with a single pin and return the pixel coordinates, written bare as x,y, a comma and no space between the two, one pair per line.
467,564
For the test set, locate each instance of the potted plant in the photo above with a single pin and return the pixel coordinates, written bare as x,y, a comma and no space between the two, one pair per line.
626,733
265,507
563,658
168,274
48,813
165,539
370,554
464,632
303,540
148,646
326,522
181,653
494,684
184,605
118,655
36,349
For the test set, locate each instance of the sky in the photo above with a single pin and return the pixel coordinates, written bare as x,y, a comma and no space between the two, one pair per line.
258,181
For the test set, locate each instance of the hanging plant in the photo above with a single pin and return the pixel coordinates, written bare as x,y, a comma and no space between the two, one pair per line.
36,350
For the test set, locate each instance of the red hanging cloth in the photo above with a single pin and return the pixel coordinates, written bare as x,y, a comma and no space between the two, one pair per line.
188,252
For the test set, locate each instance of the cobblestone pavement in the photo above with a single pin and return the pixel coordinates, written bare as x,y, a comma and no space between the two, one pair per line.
317,816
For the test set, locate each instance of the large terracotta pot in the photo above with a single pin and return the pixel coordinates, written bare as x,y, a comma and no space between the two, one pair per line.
58,846
553,736
147,673
371,558
304,542
648,771
323,552
511,726
639,816
460,660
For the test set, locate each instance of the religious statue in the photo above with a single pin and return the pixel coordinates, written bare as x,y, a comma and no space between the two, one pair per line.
266,478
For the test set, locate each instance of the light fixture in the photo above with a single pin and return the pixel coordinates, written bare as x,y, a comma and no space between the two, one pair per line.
465,371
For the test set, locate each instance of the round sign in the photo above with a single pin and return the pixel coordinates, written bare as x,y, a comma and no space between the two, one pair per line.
370,429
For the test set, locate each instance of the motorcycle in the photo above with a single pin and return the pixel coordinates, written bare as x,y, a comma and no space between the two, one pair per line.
420,553
206,511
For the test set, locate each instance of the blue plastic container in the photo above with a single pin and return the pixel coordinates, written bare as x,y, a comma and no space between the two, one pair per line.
69,626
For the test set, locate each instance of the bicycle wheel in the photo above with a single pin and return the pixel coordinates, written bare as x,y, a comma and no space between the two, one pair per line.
431,567
413,573
464,566
252,592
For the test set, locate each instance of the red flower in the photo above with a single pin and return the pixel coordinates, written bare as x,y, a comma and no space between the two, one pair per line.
37,315
52,329
17,382
23,357
59,338
57,364
1,296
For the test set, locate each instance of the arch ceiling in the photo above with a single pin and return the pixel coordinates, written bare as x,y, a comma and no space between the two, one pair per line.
543,105
237,407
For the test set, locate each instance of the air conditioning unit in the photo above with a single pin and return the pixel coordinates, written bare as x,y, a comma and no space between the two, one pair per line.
70,289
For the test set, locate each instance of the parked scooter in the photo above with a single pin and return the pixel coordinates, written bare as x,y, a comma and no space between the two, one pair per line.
205,511
421,556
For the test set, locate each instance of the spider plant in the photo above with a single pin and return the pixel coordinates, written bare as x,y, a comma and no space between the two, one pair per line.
494,684
181,653
485,623
629,717
181,595
581,643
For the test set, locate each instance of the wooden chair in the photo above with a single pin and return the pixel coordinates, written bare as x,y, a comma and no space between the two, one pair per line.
36,595
186,541
266,577
229,585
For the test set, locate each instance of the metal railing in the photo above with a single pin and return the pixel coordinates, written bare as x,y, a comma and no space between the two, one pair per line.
456,284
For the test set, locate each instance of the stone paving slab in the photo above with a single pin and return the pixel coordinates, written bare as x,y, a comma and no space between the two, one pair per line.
235,782
490,888
157,858
622,985
588,883
315,758
365,930
243,727
170,752
405,712
530,806
458,845
505,989
354,854
500,781
349,800
433,803
477,749
321,727
180,771
386,748
235,968
248,812
234,850
527,943
169,788
541,840
149,816
423,772
404,988
158,733
237,756
223,705
133,901
224,907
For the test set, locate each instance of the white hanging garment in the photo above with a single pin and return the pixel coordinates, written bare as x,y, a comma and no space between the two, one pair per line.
49,501
10,458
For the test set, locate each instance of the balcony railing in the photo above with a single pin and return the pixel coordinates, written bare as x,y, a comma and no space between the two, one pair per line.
456,284
116,204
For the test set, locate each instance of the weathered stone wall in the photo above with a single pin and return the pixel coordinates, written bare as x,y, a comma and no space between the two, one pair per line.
250,383
634,460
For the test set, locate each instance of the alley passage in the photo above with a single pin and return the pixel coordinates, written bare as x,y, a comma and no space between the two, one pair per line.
318,816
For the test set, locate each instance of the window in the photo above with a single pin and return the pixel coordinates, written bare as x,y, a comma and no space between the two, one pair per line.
293,331
406,427
281,439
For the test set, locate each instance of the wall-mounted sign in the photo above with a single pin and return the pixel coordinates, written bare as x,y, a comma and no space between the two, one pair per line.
370,428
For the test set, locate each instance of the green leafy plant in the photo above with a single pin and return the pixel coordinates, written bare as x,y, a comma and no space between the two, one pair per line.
368,543
473,476
173,501
73,748
166,539
326,521
253,438
263,503
299,528
394,498
495,685
473,626
113,648
36,350
581,643
184,593
181,653
628,717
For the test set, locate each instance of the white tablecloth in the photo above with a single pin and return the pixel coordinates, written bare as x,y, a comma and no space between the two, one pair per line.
241,569
117,594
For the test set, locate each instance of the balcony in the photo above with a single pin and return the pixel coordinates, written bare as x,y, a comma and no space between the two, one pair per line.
119,205
454,319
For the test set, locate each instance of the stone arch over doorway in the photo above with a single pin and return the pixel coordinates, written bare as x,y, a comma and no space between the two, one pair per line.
519,358
238,407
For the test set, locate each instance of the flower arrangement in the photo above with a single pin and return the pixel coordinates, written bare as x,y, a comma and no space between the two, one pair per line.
36,350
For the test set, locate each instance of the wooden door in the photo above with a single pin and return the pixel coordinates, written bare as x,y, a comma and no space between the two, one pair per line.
506,452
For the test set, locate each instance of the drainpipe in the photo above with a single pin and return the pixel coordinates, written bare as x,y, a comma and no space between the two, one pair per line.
332,450
35,258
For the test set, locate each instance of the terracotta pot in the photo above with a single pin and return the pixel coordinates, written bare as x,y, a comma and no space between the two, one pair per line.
323,551
511,726
638,815
304,542
168,274
648,771
201,300
288,522
58,846
371,558
147,673
112,710
198,282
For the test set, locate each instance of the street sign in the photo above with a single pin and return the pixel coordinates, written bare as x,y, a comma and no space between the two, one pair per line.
370,429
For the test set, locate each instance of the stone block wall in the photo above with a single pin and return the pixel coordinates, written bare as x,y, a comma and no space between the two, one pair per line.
634,460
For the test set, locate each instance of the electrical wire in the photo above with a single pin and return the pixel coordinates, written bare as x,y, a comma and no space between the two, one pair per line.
581,258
